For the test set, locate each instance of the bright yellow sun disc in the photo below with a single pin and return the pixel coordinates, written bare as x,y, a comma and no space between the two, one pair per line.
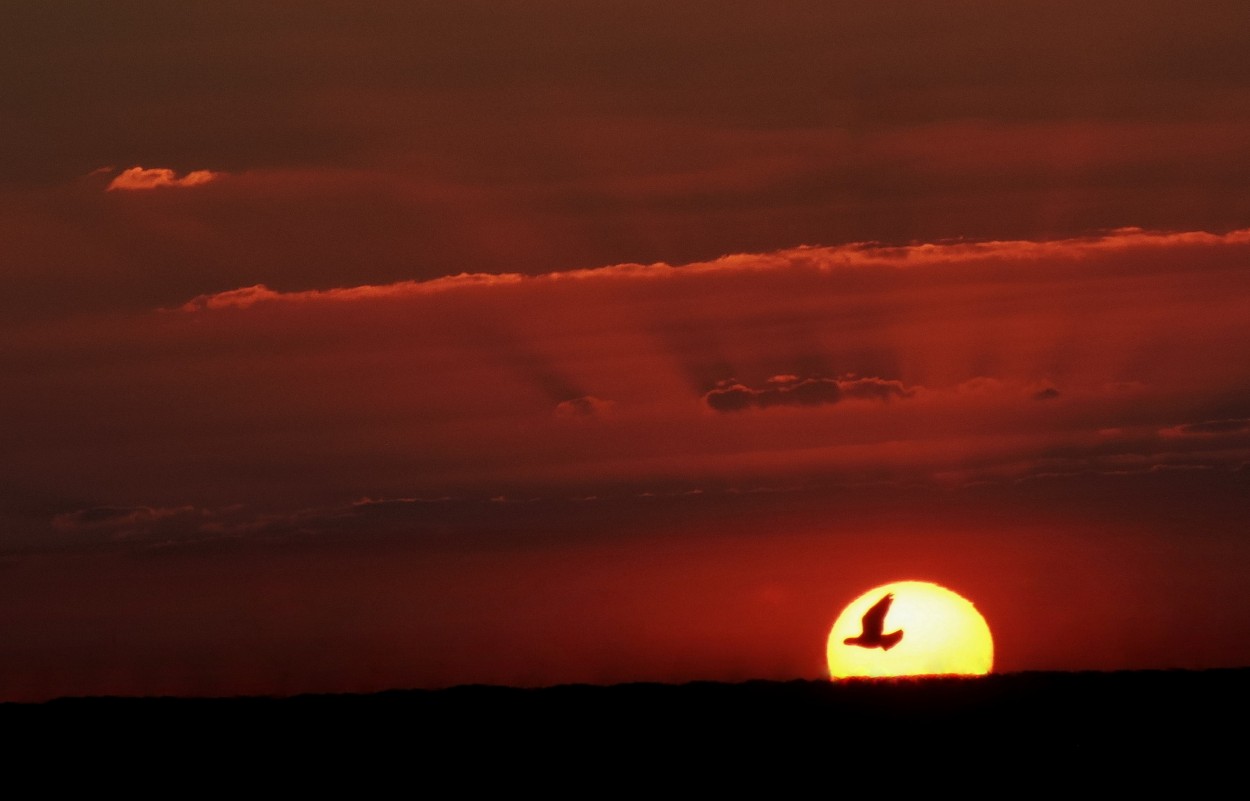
942,634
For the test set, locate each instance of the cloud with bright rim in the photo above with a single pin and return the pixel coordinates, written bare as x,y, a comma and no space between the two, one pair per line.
139,179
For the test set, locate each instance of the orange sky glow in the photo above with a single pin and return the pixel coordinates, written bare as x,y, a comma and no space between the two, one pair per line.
628,343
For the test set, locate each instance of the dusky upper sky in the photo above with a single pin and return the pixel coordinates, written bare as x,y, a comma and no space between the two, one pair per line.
524,343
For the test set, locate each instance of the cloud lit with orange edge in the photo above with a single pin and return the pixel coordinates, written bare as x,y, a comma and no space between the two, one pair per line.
140,178
798,260
948,363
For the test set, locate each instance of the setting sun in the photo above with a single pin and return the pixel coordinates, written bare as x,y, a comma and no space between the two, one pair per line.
537,344
910,628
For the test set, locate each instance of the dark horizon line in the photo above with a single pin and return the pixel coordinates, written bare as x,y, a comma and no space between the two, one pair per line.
931,679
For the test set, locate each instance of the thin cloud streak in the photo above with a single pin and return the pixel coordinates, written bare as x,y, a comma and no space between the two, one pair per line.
822,259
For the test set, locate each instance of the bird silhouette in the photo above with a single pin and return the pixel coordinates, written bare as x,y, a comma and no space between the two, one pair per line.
873,624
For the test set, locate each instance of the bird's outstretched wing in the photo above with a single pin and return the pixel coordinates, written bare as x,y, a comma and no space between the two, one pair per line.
873,621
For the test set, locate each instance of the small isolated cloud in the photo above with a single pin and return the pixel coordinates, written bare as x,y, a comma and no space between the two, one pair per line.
1045,393
137,178
790,390
587,406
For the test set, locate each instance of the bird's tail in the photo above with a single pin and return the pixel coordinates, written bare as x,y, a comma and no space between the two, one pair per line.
890,640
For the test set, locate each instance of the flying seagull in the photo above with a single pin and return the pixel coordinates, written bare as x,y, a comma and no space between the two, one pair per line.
873,624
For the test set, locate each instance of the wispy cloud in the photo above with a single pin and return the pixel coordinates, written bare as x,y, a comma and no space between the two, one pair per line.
1208,428
585,407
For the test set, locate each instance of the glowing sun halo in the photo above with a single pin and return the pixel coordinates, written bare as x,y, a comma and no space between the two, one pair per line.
943,634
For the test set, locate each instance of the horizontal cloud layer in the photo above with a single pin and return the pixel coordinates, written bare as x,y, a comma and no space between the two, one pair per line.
466,386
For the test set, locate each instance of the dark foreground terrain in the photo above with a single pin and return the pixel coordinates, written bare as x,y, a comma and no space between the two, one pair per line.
1129,728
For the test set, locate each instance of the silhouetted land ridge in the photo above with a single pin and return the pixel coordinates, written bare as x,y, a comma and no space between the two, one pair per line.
1061,720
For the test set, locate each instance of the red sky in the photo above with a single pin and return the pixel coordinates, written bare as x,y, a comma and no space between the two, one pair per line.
540,342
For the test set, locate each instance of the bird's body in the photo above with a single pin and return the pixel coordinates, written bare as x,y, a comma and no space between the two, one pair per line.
873,627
